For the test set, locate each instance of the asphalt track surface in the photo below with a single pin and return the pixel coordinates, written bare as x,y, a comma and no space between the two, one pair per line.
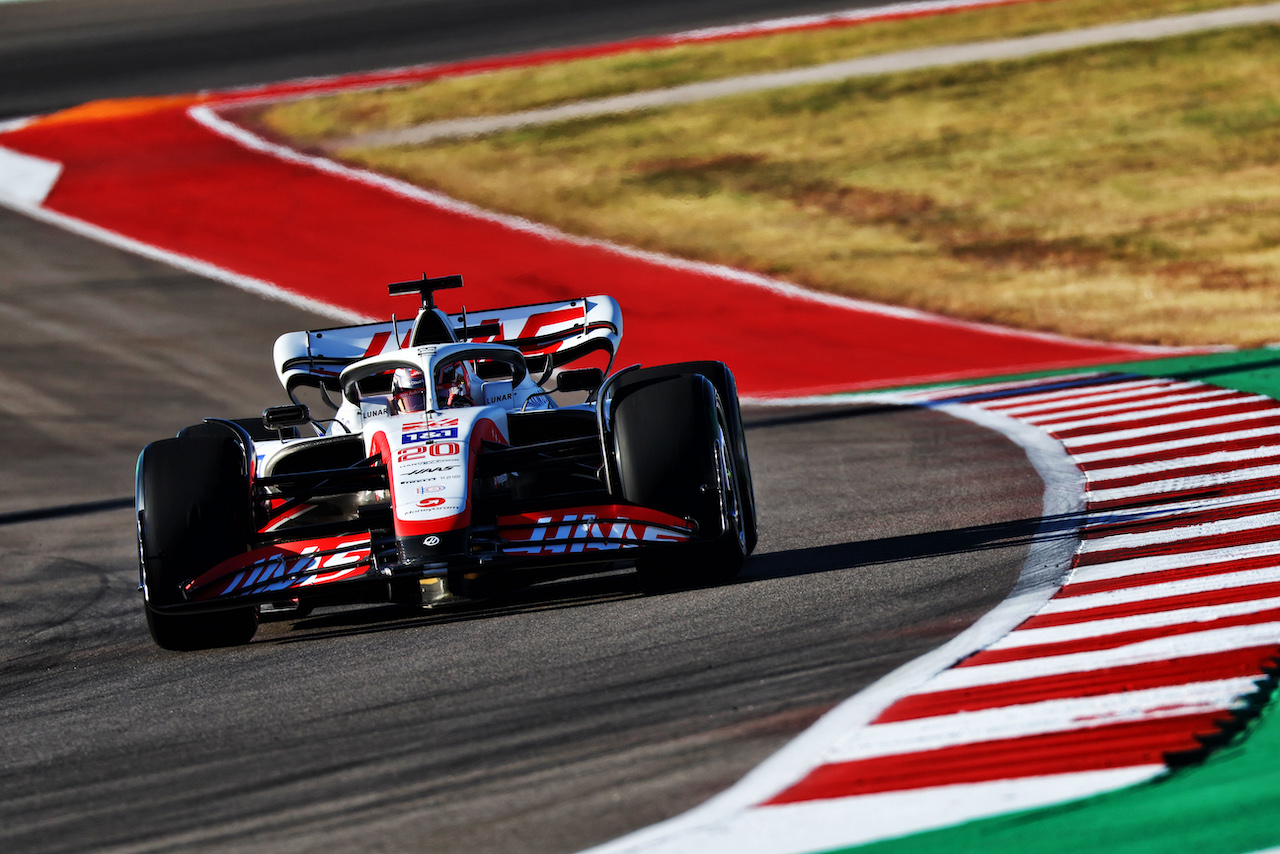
547,722
541,723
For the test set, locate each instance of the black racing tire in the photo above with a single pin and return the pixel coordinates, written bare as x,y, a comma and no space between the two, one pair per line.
194,512
722,378
673,453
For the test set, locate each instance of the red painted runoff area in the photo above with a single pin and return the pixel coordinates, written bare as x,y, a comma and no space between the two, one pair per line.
159,177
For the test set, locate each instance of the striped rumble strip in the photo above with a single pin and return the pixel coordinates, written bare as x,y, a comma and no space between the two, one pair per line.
1152,650
1160,643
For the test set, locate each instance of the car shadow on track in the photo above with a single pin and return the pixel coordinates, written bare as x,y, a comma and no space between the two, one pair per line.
40,514
548,596
930,544
624,584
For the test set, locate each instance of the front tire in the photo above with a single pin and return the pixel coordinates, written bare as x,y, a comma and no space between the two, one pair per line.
193,513
674,453
727,387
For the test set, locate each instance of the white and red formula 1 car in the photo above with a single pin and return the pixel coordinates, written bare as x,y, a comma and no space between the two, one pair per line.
444,468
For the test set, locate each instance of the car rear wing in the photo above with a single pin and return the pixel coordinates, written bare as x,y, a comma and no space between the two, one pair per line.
549,334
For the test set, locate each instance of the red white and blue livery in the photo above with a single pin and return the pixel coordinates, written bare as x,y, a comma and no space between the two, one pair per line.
450,461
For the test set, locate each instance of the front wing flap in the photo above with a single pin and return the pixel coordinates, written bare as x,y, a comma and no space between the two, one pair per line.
582,530
287,570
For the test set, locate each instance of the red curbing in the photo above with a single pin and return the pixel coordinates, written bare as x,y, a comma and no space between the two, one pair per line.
1223,596
1087,683
1087,749
1119,639
1171,561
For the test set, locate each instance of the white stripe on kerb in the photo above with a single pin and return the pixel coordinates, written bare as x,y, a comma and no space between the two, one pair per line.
1156,488
1023,403
1213,458
1173,534
1134,451
1132,392
1159,412
1163,590
1179,560
965,391
1098,629
1171,427
1172,510
1030,719
1143,652
1144,404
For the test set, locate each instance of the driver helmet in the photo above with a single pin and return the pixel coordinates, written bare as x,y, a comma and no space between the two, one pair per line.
408,390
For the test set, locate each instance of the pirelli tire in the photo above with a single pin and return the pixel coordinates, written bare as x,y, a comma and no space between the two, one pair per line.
673,447
193,513
727,387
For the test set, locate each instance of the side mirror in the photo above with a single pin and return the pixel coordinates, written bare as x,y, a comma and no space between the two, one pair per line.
582,379
538,365
280,417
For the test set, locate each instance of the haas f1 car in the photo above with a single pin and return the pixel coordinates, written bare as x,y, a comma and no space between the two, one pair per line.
443,467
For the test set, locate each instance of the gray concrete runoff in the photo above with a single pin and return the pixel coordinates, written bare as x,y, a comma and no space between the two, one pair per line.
907,60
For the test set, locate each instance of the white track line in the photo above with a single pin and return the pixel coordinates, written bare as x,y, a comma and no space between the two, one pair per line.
26,180
823,824
729,820
208,118
839,823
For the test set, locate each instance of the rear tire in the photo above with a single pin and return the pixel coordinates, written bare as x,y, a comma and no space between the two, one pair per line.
674,453
194,512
